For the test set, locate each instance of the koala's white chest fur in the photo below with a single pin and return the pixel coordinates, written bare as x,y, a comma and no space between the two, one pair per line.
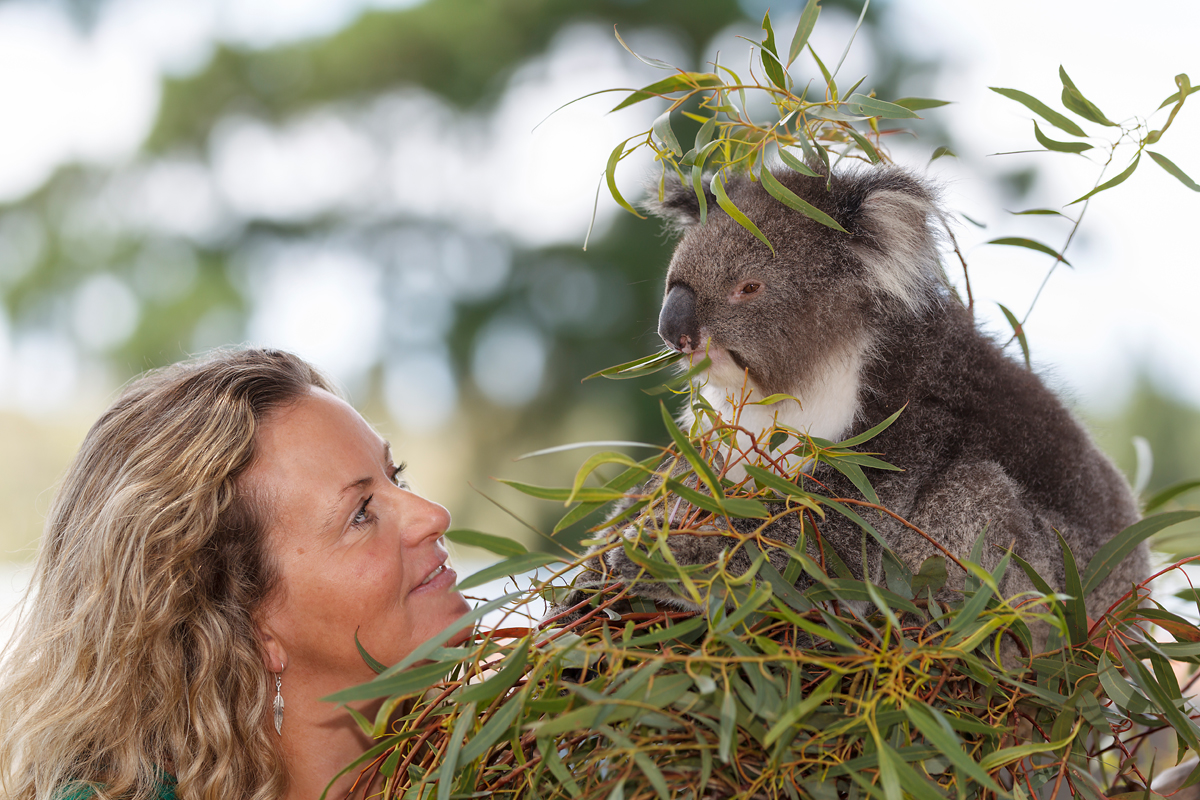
827,408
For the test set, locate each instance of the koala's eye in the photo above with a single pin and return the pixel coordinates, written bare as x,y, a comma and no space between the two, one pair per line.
750,287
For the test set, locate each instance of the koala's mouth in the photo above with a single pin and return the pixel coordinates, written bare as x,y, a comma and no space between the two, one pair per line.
728,368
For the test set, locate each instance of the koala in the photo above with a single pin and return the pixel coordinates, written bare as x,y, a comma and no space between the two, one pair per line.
855,327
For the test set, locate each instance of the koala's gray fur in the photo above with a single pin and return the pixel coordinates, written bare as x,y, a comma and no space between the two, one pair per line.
857,326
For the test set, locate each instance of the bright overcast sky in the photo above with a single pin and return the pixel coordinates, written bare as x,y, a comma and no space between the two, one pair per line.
1129,303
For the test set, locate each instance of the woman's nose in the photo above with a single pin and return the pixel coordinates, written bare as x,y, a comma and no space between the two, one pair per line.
426,519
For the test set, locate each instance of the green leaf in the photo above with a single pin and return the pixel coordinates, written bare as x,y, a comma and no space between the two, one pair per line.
1008,755
726,506
589,466
1184,727
864,144
1037,580
701,195
1018,331
1116,550
650,62
1176,97
662,129
703,469
1075,611
646,365
718,187
1015,241
793,163
365,725
705,134
407,682
871,107
622,483
780,586
493,730
770,57
509,566
512,669
804,29
765,479
562,448
1074,100
1168,494
937,731
965,621
802,710
871,433
389,764
1170,167
1110,184
500,545
743,508
833,91
449,768
853,34
844,589
610,175
587,494
644,763
1042,212
681,82
942,151
728,726
549,750
375,665
932,575
791,200
665,634
920,103
855,474
1060,121
1056,146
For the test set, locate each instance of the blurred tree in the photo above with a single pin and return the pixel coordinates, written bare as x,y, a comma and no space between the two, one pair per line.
134,295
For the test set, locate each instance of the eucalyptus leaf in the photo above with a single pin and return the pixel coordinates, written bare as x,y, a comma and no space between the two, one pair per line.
718,187
1175,171
804,29
1055,118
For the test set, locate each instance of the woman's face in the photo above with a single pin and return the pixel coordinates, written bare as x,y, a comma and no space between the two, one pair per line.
356,550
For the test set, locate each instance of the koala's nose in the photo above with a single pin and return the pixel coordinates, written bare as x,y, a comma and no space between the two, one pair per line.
677,320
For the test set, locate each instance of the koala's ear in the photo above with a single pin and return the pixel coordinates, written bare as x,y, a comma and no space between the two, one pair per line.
679,206
896,234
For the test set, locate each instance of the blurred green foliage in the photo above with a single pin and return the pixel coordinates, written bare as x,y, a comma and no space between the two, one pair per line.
78,226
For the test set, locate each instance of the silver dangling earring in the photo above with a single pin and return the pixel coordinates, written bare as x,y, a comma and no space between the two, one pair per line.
278,705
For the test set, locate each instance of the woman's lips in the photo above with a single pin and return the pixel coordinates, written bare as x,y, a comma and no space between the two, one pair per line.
440,577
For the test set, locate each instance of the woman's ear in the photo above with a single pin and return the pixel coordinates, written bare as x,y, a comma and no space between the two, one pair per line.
273,653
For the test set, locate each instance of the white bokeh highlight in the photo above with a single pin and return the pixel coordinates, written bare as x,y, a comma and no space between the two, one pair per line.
325,305
509,361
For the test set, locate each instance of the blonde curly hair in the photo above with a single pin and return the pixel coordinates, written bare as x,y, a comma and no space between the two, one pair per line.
138,652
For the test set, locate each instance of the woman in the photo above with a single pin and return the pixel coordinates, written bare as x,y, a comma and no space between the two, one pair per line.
227,528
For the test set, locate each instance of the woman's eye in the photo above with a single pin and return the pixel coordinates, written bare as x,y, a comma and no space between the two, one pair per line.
397,475
362,516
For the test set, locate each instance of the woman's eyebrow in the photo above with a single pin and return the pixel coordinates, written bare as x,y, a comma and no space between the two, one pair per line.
358,485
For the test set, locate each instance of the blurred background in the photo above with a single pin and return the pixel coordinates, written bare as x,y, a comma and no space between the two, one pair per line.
362,182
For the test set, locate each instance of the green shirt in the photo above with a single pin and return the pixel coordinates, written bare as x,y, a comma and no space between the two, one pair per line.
166,791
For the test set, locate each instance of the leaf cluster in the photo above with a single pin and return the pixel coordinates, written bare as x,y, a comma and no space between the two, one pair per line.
874,687
809,131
